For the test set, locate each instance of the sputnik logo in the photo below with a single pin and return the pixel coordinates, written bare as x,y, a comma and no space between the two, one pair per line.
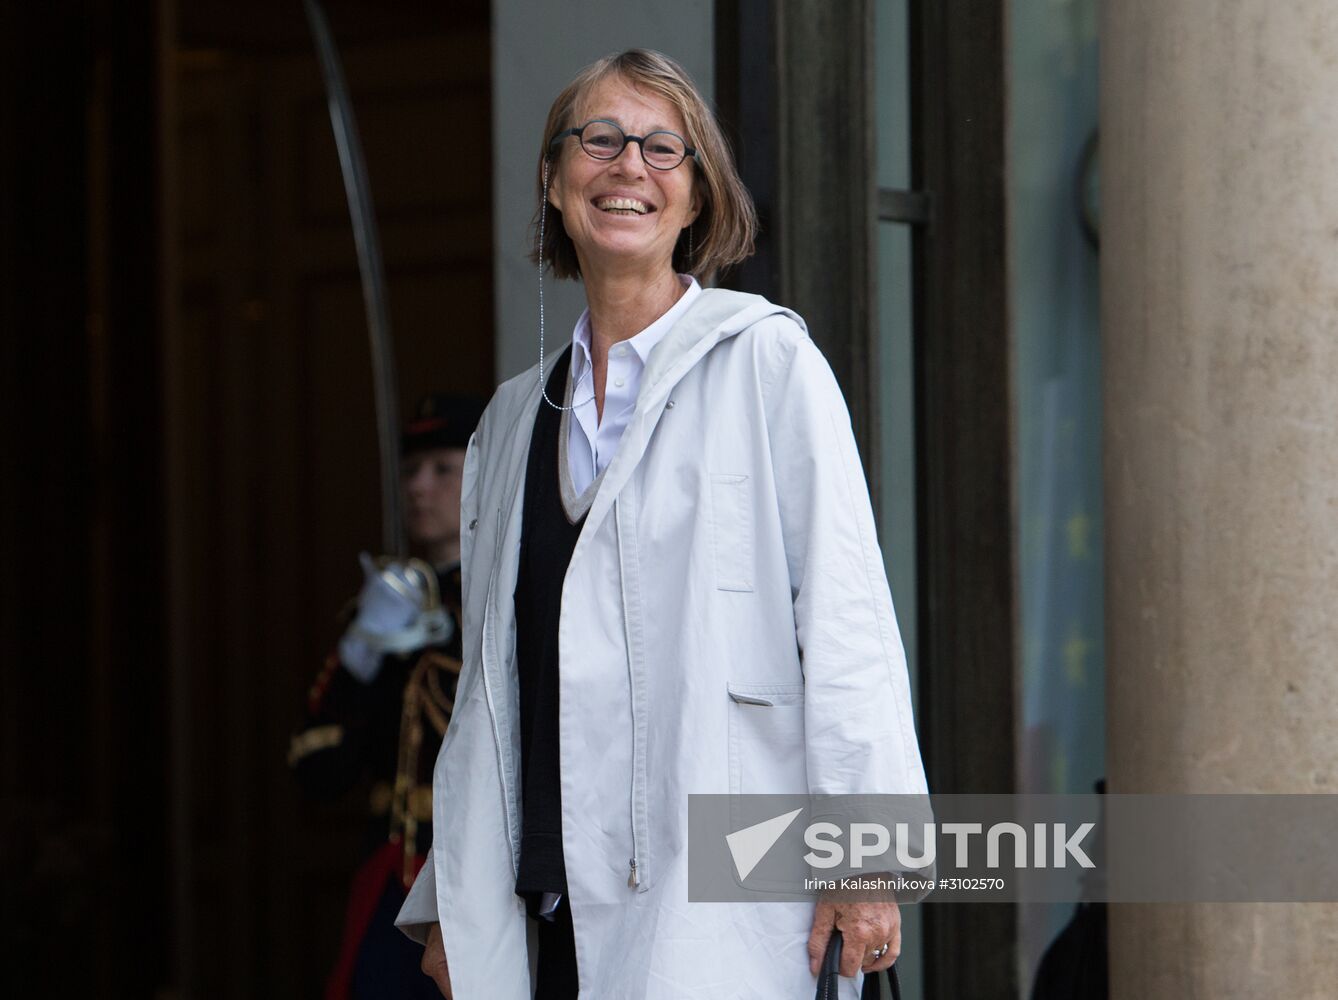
750,845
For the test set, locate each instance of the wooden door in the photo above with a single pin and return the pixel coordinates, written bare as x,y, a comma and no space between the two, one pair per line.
272,465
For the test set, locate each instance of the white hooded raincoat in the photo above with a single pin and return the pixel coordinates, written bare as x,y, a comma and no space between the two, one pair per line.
726,626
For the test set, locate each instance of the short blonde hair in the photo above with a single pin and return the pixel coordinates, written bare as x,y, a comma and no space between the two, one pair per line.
726,228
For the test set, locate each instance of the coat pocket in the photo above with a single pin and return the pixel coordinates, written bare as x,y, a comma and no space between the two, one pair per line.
766,756
766,739
732,531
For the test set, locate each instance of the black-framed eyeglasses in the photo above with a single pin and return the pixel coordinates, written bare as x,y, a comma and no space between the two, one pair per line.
606,141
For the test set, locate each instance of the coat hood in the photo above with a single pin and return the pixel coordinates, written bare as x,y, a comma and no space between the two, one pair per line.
717,315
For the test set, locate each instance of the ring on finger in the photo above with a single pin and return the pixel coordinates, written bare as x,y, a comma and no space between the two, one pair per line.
880,952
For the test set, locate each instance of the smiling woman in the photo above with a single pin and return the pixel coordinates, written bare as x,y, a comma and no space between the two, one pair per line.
629,569
623,213
659,96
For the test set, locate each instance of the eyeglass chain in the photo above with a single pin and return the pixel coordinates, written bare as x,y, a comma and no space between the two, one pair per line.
543,382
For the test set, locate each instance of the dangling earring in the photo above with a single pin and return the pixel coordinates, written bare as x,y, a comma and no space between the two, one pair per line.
689,247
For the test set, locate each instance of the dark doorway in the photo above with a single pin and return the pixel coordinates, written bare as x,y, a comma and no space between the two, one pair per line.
271,451
190,464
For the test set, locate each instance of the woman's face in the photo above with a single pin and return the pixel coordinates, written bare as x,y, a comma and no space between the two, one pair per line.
585,190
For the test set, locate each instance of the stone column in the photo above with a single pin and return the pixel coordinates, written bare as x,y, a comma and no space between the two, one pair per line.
1219,282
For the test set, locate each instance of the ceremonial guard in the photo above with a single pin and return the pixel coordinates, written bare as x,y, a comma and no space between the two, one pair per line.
380,704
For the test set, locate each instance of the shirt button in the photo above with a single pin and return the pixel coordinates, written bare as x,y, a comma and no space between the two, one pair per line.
618,382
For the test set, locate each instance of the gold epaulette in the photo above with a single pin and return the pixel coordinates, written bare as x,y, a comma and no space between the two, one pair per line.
317,738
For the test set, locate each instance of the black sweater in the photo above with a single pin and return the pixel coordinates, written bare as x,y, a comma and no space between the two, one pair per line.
547,541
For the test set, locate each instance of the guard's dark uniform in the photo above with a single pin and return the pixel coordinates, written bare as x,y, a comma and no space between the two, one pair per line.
390,730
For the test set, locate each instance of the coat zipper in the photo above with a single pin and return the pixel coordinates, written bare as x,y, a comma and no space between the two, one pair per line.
489,629
633,876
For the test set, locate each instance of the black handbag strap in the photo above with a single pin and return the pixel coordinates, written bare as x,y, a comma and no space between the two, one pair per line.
829,976
894,984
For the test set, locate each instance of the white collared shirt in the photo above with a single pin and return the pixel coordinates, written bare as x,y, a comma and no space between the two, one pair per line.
592,442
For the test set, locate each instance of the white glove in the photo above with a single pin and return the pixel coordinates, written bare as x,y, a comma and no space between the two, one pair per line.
390,602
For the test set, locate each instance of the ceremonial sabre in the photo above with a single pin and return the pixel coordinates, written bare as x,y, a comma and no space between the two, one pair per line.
359,194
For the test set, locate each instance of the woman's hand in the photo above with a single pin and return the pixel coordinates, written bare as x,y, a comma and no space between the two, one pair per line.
864,926
434,962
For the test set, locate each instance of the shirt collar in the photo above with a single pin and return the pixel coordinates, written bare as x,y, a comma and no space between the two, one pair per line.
644,342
